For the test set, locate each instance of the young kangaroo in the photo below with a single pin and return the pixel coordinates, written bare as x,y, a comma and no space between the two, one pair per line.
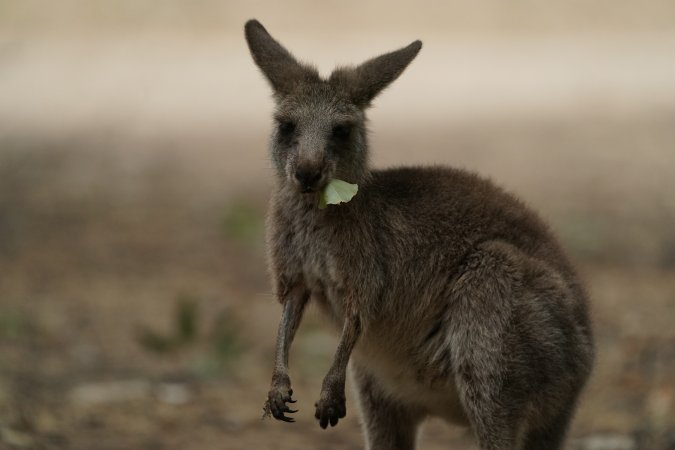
454,299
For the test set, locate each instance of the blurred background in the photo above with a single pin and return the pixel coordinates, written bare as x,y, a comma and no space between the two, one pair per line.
135,308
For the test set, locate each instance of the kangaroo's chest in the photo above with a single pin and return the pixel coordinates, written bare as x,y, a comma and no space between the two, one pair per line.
315,258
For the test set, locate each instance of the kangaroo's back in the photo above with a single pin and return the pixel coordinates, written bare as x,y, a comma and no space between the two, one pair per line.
462,209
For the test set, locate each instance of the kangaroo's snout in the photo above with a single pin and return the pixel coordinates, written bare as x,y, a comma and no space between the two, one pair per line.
309,178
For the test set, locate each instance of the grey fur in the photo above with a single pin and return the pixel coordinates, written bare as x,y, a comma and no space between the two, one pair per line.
454,299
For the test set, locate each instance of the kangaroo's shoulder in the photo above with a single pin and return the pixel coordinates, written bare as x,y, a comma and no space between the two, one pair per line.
423,174
459,202
438,183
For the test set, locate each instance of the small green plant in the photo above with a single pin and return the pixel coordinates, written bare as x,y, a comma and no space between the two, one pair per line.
225,346
222,340
184,330
243,223
13,325
225,341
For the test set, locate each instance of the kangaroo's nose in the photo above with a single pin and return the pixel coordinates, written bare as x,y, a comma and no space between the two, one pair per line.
308,178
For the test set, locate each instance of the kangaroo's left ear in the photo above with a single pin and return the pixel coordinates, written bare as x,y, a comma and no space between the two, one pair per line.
281,69
364,82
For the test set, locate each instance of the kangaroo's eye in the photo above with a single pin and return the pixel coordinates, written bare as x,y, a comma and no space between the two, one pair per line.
286,127
342,131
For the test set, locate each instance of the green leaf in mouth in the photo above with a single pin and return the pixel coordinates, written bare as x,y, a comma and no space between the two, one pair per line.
337,191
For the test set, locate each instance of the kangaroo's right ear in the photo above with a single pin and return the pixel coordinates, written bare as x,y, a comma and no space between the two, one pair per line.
280,67
364,82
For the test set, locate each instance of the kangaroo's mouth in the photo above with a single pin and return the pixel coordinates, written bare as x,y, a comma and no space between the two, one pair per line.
311,186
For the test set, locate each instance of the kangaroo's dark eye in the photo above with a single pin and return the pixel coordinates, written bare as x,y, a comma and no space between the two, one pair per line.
342,131
286,127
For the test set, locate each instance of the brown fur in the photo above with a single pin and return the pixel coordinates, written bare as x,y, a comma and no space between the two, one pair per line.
454,299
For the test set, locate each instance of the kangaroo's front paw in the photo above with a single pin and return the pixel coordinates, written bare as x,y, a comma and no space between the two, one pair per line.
277,398
330,407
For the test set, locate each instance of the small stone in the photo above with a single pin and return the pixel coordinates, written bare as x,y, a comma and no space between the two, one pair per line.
110,392
173,393
606,441
15,438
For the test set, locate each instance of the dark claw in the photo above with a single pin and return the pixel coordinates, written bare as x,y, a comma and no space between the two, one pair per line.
276,402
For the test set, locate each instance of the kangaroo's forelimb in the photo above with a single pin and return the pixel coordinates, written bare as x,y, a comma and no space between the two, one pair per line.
332,404
280,393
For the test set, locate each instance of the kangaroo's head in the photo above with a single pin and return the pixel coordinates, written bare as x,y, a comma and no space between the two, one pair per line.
320,130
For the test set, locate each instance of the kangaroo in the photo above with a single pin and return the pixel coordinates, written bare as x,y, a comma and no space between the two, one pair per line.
454,300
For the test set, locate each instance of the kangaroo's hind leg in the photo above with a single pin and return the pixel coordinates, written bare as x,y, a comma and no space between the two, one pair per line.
482,341
388,424
520,351
549,432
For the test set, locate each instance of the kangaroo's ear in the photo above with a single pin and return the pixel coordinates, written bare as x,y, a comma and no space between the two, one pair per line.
280,67
364,82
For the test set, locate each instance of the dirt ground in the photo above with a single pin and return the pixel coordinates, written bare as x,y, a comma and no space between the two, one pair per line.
135,309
